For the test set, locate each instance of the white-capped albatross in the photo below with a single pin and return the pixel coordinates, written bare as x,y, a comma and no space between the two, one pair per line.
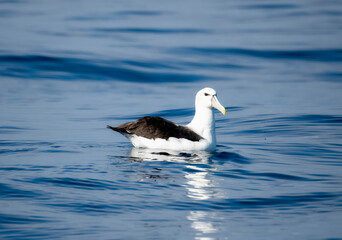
159,133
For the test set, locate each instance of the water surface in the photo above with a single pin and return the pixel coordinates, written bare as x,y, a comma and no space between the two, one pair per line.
67,69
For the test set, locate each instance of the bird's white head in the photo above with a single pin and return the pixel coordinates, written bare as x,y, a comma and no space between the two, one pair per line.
207,97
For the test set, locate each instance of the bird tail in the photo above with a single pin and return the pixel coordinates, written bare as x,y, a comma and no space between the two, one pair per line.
120,130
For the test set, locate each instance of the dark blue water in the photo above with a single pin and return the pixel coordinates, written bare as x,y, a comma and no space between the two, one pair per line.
69,68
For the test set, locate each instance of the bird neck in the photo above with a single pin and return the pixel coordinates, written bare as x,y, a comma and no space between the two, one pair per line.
203,123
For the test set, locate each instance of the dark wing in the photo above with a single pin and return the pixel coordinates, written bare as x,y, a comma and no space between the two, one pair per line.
156,127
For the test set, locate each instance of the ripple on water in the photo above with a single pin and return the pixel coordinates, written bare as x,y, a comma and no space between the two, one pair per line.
9,192
38,67
21,219
86,184
277,172
266,176
325,55
231,157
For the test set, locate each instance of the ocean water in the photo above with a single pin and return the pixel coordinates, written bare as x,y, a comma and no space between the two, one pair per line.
69,68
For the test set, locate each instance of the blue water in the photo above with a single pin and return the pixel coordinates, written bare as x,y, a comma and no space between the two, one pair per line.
69,68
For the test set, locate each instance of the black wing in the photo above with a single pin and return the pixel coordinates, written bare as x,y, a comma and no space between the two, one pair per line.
156,127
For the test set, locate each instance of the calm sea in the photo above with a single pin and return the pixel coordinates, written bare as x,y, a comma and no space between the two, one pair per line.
69,68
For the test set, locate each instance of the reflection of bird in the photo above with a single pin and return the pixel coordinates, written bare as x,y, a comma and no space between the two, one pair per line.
159,133
146,154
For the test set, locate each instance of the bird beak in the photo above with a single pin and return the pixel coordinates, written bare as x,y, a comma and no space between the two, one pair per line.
216,104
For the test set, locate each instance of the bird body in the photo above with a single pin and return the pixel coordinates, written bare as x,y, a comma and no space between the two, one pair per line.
159,133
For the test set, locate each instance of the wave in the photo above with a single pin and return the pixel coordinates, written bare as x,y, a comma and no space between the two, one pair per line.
313,118
267,176
149,71
283,201
6,151
11,129
286,124
20,219
324,55
151,30
117,14
13,147
269,6
279,202
7,191
47,67
227,205
87,184
231,157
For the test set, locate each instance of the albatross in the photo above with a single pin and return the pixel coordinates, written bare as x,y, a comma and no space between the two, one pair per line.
159,133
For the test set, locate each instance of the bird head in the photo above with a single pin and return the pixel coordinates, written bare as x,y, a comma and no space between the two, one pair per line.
207,97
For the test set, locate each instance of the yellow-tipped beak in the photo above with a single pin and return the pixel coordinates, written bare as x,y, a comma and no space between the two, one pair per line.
216,104
224,111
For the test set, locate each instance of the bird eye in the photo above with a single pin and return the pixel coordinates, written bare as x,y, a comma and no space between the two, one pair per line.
206,94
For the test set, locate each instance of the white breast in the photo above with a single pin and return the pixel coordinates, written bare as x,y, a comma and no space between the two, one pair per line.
178,144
